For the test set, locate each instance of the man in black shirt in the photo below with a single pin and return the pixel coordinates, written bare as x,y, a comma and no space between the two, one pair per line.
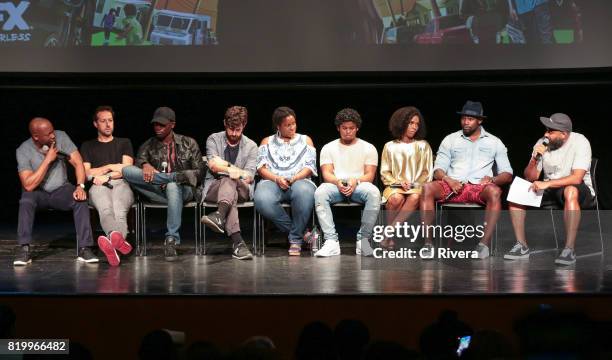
104,158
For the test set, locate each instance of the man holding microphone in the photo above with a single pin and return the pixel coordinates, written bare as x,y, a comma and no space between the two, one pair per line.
45,186
565,166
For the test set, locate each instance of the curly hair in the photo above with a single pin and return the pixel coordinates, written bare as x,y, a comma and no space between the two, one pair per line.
99,109
236,116
348,114
401,119
280,113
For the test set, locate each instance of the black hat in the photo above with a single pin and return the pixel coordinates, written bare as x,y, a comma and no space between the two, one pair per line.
163,115
473,109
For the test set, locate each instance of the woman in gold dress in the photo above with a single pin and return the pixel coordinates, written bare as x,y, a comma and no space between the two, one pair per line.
406,164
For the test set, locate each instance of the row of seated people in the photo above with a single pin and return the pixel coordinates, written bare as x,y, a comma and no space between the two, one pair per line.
168,166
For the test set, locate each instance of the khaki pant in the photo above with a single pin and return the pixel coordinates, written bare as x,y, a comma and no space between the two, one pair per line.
232,192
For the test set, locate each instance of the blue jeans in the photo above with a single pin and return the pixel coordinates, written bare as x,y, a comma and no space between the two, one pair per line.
268,198
174,195
365,193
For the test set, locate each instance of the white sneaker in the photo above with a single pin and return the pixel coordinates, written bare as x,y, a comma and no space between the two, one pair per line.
365,251
329,248
483,251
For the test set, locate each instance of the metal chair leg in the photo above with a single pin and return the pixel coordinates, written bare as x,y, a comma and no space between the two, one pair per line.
552,218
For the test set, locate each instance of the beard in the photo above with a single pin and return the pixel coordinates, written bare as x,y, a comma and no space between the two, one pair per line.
468,132
555,144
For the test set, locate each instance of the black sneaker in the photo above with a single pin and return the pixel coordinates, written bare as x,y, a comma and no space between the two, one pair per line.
170,249
214,222
518,251
187,177
23,256
86,255
242,252
567,257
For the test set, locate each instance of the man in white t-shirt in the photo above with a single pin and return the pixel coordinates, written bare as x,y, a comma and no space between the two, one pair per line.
565,165
348,167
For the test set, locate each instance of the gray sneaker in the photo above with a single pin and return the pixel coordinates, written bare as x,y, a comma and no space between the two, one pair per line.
567,257
242,252
214,222
483,251
518,251
86,255
170,253
23,256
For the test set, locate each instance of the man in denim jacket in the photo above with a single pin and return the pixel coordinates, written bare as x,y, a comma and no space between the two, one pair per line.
463,173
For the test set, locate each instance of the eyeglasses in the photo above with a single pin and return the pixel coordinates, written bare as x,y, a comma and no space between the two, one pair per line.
549,130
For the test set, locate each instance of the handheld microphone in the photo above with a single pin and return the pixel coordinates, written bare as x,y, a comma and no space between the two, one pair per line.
545,142
164,166
45,148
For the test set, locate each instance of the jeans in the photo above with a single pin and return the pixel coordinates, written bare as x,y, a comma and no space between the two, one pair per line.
59,199
173,194
113,205
268,198
365,193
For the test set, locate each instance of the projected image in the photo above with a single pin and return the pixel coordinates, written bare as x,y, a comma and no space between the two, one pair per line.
479,21
156,22
67,23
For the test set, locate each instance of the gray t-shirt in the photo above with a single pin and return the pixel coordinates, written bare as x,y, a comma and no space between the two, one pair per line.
29,157
574,154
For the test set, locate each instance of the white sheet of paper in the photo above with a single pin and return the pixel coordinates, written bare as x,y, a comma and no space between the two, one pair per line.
520,193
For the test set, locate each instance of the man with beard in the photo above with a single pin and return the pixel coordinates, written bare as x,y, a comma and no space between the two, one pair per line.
167,171
565,164
104,157
463,173
232,158
45,185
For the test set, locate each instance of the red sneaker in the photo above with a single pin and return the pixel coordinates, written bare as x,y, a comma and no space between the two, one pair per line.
119,242
107,248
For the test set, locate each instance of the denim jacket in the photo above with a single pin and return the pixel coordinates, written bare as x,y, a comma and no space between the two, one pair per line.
469,161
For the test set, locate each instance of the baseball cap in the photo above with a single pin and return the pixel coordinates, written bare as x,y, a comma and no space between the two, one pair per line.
558,121
163,115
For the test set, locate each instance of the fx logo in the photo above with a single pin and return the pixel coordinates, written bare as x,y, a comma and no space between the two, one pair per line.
15,15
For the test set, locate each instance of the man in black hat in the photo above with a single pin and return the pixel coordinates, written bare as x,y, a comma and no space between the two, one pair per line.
463,173
167,170
563,158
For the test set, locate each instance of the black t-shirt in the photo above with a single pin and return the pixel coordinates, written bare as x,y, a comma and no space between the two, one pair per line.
99,154
231,154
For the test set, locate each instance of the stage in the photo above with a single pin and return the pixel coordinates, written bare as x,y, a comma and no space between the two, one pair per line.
55,271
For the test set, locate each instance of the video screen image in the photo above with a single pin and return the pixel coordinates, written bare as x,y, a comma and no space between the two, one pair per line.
67,23
479,21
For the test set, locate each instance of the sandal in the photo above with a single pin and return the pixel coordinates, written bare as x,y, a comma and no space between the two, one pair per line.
295,250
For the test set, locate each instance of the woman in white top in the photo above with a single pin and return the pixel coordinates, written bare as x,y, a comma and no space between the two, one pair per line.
285,162
406,164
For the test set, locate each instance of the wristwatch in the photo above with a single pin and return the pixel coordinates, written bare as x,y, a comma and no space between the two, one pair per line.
82,186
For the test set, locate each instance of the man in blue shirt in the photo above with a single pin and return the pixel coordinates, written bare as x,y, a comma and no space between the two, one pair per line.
535,17
463,173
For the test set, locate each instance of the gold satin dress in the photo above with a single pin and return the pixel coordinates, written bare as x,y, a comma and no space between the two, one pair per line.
410,162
